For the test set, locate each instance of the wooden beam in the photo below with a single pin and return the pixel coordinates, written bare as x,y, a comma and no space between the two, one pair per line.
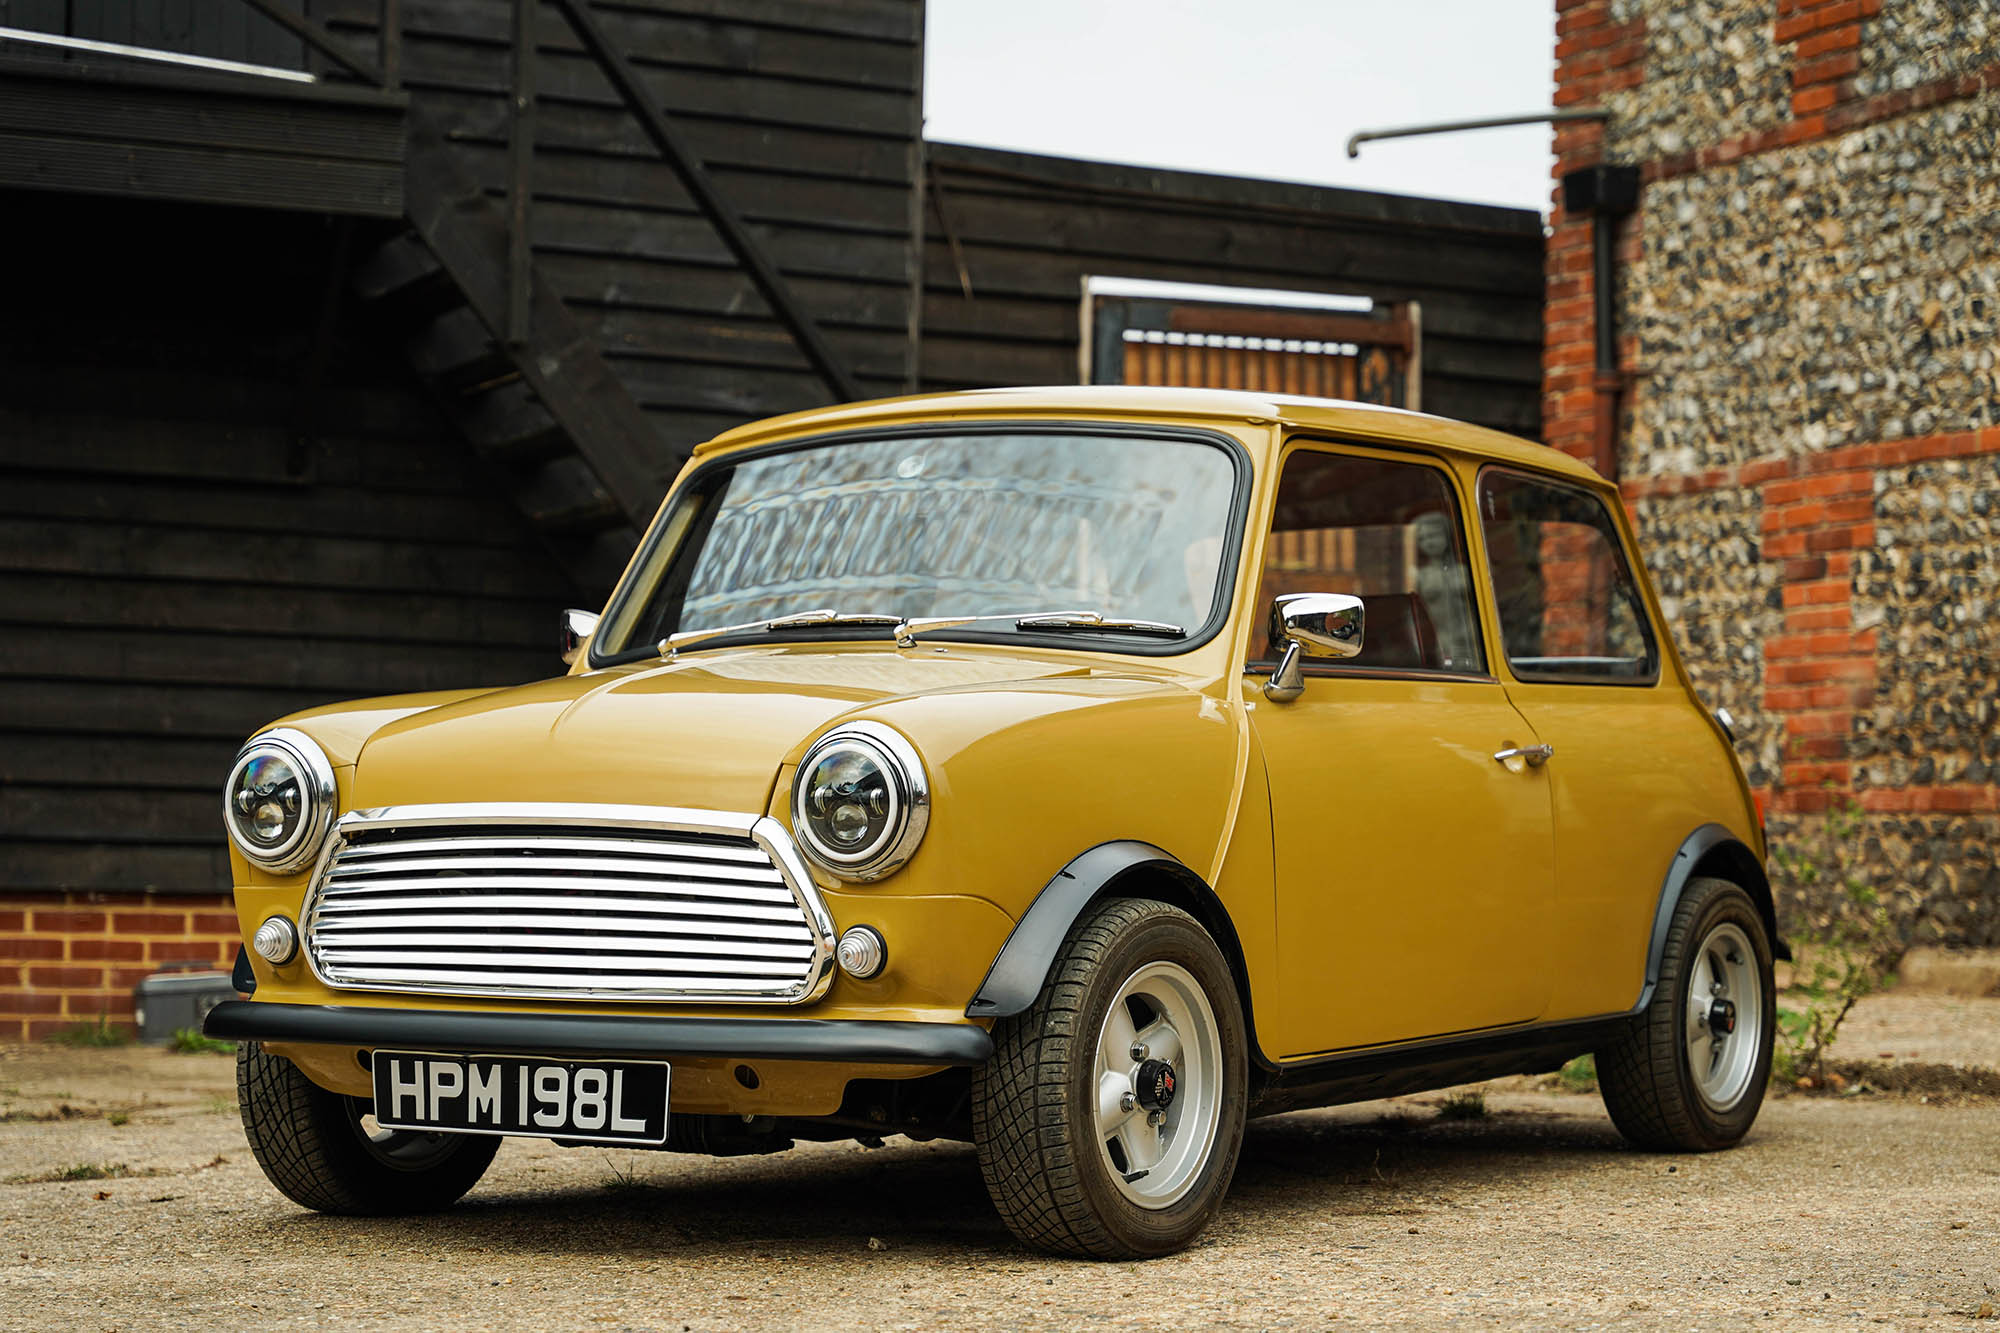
694,176
319,40
520,174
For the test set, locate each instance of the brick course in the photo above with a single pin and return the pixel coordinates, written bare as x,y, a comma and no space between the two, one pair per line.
67,959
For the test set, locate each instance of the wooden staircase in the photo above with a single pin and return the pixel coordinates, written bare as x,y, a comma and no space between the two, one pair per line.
574,449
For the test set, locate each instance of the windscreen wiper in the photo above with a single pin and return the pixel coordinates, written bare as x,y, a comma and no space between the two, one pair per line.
824,618
1042,622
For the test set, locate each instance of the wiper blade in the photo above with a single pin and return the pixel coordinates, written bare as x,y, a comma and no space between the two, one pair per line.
1084,622
1043,622
824,617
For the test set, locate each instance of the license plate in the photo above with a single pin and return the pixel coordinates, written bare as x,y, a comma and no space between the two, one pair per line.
591,1102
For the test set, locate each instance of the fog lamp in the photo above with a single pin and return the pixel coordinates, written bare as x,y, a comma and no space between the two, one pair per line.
276,941
862,953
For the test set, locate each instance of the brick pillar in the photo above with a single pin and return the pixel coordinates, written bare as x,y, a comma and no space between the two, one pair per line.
1594,56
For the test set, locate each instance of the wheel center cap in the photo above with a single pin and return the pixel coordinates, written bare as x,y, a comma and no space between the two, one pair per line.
1722,1017
1154,1084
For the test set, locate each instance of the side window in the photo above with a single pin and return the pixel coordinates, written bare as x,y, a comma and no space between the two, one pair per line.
1388,533
1569,606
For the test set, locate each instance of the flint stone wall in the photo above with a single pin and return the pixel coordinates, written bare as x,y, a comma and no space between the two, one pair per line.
1810,313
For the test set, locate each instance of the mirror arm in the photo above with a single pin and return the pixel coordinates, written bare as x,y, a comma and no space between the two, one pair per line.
1288,682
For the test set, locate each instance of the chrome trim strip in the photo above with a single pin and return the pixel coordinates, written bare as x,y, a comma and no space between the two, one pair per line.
767,916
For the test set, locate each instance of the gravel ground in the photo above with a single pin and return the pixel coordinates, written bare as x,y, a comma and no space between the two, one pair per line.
1835,1210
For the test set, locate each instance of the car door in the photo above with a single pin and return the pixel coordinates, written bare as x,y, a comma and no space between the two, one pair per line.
1414,874
1635,767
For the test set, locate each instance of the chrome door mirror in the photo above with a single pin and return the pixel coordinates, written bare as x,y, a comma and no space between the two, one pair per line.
1311,624
574,632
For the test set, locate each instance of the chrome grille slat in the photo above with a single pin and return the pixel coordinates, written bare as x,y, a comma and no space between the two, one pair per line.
628,927
348,941
641,888
471,981
584,964
607,846
567,902
624,865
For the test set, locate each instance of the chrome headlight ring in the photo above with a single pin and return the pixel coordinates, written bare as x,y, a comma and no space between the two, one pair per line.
882,784
280,775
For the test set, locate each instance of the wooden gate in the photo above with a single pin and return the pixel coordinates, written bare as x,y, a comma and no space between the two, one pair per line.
1371,357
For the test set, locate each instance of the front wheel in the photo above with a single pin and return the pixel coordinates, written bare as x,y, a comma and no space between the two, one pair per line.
1109,1120
323,1150
1690,1075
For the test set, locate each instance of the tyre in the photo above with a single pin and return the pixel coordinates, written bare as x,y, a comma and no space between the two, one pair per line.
1110,1118
323,1150
1691,1073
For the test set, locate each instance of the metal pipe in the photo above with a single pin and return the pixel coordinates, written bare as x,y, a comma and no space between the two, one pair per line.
149,53
1355,140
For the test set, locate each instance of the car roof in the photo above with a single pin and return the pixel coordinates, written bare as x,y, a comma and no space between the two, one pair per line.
1359,421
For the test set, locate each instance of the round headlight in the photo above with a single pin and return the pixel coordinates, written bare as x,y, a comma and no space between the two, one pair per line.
279,799
860,803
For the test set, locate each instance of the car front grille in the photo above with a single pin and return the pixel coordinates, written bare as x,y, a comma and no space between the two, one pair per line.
568,902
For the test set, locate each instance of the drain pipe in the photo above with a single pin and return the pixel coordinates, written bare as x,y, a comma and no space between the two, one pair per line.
1606,193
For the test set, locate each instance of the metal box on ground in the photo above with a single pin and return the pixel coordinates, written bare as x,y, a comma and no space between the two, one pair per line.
168,1001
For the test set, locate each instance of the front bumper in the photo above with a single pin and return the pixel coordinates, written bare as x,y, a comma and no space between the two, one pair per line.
840,1041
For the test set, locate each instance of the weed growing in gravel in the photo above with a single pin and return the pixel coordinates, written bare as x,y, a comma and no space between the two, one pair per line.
1838,963
1579,1075
100,1033
1467,1105
223,1106
189,1041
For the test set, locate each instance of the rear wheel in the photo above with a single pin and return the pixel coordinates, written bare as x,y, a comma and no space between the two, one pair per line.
1110,1117
325,1151
1691,1073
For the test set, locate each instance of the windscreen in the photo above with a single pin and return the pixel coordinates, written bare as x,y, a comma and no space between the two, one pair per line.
969,524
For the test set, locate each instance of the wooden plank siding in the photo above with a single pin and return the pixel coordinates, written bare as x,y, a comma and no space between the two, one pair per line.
198,536
98,126
806,114
1030,228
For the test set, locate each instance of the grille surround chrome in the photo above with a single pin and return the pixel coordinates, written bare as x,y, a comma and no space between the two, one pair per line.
575,827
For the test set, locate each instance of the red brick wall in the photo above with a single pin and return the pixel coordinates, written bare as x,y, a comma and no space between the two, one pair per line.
68,958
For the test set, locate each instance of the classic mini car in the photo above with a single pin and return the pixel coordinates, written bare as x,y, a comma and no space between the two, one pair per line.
1076,772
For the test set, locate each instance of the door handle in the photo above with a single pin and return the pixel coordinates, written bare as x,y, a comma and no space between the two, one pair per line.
1536,755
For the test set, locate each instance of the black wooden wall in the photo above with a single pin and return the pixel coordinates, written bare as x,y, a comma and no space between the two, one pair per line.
211,515
218,29
807,114
1030,228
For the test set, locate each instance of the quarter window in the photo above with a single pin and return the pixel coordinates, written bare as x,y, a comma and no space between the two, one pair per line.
1569,606
1385,532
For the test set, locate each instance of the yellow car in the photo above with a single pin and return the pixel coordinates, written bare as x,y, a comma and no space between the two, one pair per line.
1076,772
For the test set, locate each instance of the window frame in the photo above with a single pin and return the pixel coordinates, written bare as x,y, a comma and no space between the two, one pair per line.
1383,452
1622,545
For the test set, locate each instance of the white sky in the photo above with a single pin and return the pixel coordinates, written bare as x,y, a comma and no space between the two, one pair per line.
1254,87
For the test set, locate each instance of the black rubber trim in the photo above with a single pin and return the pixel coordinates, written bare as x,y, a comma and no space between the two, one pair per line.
1695,848
1435,1062
241,976
1017,974
848,1041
